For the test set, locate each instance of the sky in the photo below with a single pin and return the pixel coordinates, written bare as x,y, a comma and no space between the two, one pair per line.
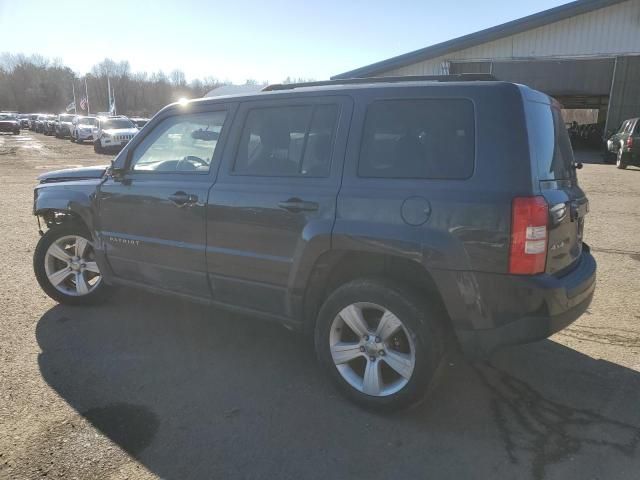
264,40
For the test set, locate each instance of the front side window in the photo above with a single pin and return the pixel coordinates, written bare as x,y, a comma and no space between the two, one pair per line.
418,138
180,144
287,141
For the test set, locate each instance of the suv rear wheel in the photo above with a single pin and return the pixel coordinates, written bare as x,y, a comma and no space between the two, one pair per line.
621,160
380,343
65,266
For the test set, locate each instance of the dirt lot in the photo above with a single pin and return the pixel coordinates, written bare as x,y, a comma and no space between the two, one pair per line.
150,387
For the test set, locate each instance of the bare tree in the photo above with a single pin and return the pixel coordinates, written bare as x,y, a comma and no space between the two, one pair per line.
37,84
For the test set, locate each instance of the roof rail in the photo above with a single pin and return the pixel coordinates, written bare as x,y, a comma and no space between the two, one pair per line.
458,77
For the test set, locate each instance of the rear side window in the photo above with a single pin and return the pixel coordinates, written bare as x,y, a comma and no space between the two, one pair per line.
287,141
418,138
549,142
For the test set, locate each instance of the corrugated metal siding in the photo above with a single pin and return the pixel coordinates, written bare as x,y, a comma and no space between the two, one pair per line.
625,98
610,31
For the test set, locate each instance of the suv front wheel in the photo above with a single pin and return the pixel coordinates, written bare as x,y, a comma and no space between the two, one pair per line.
380,343
65,266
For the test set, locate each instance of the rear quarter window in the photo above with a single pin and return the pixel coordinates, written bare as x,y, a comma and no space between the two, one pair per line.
418,138
549,142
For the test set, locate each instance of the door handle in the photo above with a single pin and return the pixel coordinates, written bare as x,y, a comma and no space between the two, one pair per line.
295,205
182,199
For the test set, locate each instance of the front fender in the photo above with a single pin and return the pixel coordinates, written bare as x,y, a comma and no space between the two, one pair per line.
76,198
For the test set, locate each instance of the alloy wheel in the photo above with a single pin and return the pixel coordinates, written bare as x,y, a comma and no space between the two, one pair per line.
70,266
372,349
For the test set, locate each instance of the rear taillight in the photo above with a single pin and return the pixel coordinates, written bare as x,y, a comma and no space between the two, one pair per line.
528,253
629,142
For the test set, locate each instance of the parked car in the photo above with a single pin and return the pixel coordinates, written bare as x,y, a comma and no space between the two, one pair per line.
41,121
82,128
383,218
50,124
112,133
139,121
64,125
33,117
9,123
24,120
625,143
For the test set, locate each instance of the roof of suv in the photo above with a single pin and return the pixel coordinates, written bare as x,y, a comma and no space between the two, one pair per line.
479,80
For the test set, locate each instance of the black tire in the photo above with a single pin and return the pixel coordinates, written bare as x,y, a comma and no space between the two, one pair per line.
95,296
72,139
622,159
16,132
421,322
97,147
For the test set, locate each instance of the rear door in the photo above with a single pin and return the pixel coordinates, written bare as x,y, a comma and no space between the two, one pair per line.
554,170
275,198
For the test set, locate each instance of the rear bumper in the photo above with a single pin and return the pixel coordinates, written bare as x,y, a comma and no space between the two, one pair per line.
532,308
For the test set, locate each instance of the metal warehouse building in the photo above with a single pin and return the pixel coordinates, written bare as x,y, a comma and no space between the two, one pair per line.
585,53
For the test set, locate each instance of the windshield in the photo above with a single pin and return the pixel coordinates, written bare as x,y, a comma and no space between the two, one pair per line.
66,118
87,121
7,116
117,123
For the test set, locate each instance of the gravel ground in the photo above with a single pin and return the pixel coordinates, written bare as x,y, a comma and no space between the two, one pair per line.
150,387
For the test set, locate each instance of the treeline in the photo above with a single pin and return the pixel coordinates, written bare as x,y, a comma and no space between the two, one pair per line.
38,84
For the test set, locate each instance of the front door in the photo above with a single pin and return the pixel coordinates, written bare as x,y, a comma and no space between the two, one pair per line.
152,219
275,198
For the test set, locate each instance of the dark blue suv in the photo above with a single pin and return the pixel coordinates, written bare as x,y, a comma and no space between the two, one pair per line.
382,216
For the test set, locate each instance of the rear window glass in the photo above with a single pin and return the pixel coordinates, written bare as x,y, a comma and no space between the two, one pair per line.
426,138
287,141
549,142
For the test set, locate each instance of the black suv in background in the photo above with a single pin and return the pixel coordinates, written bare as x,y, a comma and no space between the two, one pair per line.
382,216
9,122
625,143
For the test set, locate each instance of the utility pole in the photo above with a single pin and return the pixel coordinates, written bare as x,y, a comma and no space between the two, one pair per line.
86,93
75,106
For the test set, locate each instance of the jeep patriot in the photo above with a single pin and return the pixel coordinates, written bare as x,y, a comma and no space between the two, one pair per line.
383,217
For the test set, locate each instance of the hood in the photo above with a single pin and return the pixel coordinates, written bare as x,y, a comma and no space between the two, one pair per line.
121,131
68,174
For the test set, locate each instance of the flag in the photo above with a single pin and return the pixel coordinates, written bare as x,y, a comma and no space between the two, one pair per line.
84,103
112,107
71,106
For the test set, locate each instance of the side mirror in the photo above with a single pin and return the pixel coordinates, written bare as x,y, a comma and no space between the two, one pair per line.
117,170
